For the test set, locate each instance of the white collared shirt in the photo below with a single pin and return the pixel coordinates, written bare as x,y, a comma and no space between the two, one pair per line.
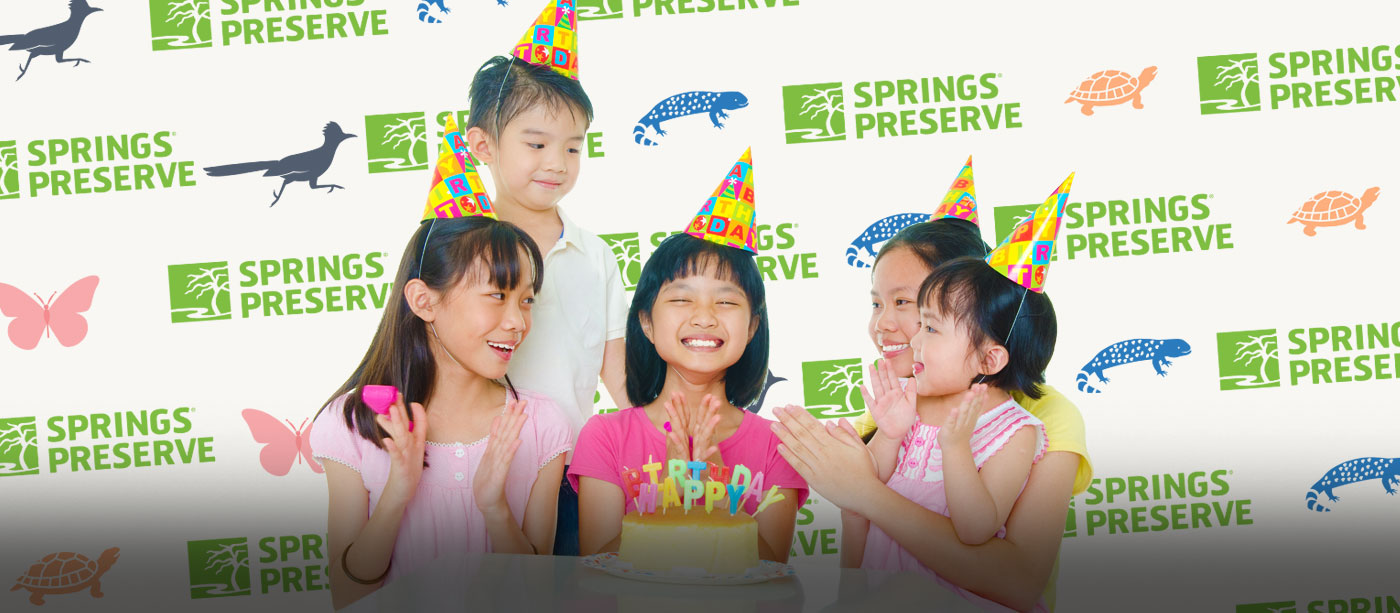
581,306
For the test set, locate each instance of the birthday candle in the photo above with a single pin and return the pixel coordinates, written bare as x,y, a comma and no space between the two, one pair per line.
714,490
647,502
695,468
755,486
720,473
771,497
742,476
669,496
676,469
693,491
631,478
736,493
651,468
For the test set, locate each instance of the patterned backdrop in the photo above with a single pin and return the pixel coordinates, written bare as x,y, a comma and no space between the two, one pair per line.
1224,280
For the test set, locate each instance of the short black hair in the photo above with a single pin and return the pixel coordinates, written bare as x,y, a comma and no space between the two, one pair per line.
938,241
985,303
512,86
680,256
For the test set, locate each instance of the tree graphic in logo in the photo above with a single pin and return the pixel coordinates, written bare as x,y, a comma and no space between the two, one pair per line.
627,248
1006,217
199,292
395,142
19,449
1248,359
219,568
599,9
9,170
180,24
831,388
1229,83
814,113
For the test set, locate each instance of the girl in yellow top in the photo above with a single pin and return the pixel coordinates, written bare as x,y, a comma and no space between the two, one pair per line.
1016,570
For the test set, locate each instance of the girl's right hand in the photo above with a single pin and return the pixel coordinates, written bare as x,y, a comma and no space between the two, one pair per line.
892,408
678,438
405,450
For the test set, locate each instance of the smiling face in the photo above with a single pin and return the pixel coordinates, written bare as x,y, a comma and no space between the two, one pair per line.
944,361
894,316
479,324
700,325
535,162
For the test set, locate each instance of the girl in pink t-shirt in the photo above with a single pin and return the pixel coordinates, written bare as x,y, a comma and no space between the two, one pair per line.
697,350
476,465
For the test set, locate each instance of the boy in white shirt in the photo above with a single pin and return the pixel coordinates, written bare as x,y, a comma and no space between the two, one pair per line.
527,125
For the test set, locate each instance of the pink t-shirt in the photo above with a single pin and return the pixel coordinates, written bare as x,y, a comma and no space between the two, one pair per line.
442,517
627,438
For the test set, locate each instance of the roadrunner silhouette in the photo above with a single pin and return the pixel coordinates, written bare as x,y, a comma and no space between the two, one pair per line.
52,40
304,166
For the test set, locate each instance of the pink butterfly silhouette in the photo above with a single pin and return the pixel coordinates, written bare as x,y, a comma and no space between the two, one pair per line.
283,442
34,317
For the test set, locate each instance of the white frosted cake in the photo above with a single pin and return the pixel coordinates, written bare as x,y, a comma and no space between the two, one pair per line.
715,542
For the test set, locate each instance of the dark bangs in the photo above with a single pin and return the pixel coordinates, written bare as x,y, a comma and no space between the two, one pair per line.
678,257
483,250
984,303
512,87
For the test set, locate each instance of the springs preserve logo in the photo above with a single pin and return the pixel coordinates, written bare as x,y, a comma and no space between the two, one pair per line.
274,288
780,257
224,567
1250,359
1149,225
1309,78
114,440
818,112
97,164
195,24
617,9
1157,503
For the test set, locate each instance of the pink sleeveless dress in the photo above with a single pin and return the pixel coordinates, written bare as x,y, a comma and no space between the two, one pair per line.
918,476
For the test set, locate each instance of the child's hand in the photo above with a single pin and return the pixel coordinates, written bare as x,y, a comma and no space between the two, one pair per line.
678,434
961,422
892,408
489,484
405,450
703,429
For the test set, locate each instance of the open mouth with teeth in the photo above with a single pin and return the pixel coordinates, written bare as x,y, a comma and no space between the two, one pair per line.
503,350
891,350
702,343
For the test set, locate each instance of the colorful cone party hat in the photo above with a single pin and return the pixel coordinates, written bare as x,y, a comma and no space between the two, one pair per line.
457,190
553,40
1024,255
728,215
961,201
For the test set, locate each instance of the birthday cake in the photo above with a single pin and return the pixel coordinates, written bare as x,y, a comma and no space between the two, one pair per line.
716,542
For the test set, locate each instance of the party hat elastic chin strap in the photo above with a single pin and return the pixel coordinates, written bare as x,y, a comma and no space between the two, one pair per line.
1009,331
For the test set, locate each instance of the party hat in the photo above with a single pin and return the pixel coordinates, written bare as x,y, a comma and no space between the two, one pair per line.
1024,255
553,40
457,190
961,200
728,215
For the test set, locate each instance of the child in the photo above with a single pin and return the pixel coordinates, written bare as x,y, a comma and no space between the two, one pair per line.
528,122
474,467
697,350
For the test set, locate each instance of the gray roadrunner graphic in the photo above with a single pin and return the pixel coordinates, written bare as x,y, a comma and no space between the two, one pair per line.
1355,471
768,383
52,40
1127,352
688,103
304,166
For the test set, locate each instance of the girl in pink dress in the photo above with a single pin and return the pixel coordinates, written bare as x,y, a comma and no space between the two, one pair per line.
475,465
935,444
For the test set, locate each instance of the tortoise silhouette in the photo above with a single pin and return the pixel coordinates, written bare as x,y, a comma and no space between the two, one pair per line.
1334,208
66,572
1110,87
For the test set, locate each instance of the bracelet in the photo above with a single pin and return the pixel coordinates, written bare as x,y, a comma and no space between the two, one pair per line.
358,580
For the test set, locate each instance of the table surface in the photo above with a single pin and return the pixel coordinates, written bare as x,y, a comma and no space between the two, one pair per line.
500,582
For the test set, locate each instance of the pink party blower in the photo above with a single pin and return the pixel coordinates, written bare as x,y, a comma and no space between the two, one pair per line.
380,397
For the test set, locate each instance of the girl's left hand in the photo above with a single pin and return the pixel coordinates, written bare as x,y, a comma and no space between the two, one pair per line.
961,422
832,459
489,484
702,427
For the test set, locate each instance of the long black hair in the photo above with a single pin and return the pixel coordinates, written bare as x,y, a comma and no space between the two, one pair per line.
681,256
441,253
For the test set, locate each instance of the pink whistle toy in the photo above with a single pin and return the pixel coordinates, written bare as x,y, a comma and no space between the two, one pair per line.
380,397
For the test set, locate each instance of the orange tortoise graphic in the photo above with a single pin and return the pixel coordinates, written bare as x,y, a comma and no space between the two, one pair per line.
1334,208
1110,87
66,572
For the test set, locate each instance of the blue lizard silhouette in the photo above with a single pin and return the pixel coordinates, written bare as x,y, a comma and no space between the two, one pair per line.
688,103
1127,352
861,253
425,8
1354,471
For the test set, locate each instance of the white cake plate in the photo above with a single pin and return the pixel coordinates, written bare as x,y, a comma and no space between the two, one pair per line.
610,564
